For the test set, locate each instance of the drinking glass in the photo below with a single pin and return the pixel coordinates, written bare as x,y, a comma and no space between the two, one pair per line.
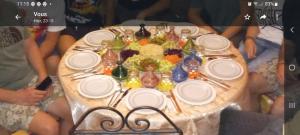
184,35
129,36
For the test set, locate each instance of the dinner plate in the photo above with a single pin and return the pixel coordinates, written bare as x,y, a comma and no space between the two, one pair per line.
146,97
213,42
224,69
82,60
193,28
195,92
98,86
95,38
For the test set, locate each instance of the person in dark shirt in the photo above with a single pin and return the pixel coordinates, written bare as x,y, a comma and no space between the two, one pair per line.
140,9
225,17
83,16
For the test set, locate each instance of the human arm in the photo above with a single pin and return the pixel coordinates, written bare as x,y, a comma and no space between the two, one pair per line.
110,12
27,96
236,26
35,58
7,96
195,18
49,44
155,8
281,52
280,65
231,31
250,44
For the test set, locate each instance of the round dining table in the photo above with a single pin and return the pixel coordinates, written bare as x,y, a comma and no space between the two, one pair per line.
193,120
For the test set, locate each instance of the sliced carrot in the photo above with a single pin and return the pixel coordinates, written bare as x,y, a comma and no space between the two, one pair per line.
143,41
173,58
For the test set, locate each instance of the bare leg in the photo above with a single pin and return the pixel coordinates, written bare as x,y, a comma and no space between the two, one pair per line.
65,42
63,112
257,85
278,107
52,64
245,101
44,124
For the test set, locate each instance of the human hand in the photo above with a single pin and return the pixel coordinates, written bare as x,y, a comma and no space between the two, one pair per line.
280,73
49,91
250,48
29,96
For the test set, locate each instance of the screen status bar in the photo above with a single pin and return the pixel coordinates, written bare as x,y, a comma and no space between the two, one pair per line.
36,12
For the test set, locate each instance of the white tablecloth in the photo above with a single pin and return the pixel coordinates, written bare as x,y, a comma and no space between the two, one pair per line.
194,120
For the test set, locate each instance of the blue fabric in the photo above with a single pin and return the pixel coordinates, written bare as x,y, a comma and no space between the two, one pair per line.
265,51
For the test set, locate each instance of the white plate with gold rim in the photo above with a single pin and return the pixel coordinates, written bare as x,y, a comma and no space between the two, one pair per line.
98,86
95,38
224,69
195,92
145,97
82,60
213,42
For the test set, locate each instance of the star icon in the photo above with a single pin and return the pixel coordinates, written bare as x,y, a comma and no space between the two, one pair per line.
247,17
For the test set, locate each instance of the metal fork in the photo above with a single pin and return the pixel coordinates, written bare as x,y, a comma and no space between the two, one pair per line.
114,97
171,96
219,84
88,48
93,50
85,76
80,72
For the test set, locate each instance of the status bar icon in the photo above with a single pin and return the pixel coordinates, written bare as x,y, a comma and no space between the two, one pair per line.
32,4
44,3
263,17
249,4
247,17
38,4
